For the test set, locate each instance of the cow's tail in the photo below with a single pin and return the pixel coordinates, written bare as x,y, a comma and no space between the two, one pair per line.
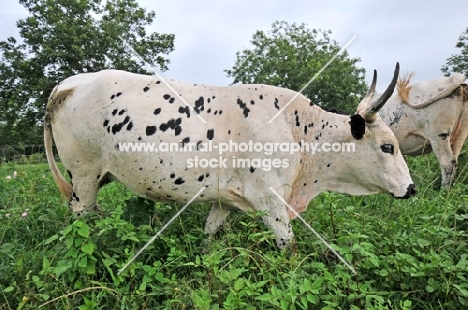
404,87
64,186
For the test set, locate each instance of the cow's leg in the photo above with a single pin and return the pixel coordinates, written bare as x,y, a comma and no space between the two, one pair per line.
276,218
214,221
460,135
447,161
84,194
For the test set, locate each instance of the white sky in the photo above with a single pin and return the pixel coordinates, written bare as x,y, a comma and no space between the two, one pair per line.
421,35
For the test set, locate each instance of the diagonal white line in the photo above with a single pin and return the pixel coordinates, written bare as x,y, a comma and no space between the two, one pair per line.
313,230
161,230
312,79
159,76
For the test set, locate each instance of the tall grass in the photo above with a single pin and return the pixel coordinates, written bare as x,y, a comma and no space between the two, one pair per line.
409,254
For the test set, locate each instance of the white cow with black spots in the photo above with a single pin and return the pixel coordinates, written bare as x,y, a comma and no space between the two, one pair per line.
88,115
430,116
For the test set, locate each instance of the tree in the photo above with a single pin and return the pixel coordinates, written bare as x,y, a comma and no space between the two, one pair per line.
64,38
290,55
458,63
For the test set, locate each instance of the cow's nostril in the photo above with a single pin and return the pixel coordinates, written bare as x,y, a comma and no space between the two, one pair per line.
411,190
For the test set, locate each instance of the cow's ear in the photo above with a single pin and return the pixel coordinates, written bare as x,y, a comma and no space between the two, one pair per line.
358,126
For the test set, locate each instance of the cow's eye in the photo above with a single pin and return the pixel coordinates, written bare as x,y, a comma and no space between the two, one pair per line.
387,148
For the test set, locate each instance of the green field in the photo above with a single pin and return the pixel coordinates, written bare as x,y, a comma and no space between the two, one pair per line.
409,254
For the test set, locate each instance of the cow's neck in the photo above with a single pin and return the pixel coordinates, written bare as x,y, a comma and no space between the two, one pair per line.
320,170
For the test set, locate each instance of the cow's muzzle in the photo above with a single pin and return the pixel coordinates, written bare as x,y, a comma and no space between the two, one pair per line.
410,192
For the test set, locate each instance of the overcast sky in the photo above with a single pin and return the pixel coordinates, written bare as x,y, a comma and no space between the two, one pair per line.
421,35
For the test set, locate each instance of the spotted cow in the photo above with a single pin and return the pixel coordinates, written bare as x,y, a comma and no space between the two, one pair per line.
88,115
430,116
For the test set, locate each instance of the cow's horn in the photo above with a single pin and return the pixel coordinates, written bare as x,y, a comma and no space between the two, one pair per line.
367,99
374,106
371,91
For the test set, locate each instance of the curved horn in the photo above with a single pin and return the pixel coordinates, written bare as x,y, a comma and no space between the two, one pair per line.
367,99
371,91
376,105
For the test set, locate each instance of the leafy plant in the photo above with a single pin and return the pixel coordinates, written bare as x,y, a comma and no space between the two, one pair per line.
408,254
61,39
458,63
290,55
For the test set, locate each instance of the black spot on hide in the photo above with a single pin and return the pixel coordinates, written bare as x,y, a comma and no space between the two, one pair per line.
179,181
150,130
243,106
276,103
130,126
185,110
210,134
199,105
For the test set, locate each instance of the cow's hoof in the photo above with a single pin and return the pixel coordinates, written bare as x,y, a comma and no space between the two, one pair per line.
289,248
78,213
206,245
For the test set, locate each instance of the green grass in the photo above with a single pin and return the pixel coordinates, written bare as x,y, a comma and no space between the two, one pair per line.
409,254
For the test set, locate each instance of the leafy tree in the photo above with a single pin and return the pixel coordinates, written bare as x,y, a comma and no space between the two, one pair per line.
290,55
63,38
458,63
